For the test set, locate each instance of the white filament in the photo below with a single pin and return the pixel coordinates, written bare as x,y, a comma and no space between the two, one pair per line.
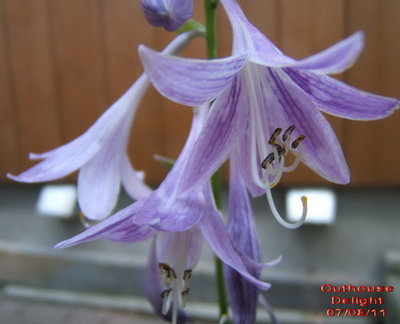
280,219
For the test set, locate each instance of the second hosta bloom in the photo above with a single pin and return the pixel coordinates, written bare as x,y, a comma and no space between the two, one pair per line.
100,154
180,221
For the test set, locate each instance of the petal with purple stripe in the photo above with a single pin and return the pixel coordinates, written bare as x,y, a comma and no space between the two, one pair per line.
290,105
243,295
216,234
222,129
339,99
190,82
336,58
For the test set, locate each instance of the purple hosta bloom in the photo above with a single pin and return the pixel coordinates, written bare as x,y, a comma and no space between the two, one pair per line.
100,154
170,14
180,221
266,103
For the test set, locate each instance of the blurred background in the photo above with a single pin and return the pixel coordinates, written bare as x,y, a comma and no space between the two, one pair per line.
63,62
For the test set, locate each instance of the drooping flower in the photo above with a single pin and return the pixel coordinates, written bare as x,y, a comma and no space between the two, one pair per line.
260,93
170,14
100,154
180,222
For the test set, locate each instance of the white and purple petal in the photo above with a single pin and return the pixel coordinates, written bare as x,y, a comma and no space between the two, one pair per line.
154,289
338,99
336,58
247,39
220,133
118,227
173,247
290,105
217,236
133,181
191,82
243,295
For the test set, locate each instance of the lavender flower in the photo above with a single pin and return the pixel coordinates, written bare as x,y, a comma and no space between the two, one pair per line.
100,154
180,223
170,14
266,103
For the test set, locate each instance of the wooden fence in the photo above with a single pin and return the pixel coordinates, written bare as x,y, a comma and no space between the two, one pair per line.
63,62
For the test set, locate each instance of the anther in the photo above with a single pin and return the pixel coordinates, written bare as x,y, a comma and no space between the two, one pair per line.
187,274
297,141
184,294
281,150
164,269
274,135
172,273
268,160
288,132
167,272
167,300
165,293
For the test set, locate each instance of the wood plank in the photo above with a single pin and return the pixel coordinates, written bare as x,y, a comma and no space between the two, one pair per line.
177,118
9,161
371,146
264,15
80,65
306,27
124,28
32,76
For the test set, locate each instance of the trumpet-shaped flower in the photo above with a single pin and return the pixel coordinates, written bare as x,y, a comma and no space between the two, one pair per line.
267,103
170,14
100,154
180,221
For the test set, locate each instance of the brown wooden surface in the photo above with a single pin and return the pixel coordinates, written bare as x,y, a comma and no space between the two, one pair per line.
63,62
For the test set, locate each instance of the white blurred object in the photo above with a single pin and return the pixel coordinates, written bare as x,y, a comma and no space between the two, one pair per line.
57,201
321,205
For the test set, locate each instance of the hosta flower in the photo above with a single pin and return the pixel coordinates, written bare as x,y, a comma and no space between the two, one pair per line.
170,14
180,222
267,103
100,154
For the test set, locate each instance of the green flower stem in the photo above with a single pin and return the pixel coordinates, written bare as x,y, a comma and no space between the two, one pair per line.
210,12
210,7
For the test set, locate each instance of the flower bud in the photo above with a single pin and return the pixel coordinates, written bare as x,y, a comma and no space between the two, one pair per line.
170,14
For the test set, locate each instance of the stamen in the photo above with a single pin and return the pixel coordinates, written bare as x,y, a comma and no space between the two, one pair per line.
297,141
296,162
184,294
288,132
165,293
167,273
85,221
278,172
167,300
274,136
279,218
186,277
187,274
280,149
268,160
